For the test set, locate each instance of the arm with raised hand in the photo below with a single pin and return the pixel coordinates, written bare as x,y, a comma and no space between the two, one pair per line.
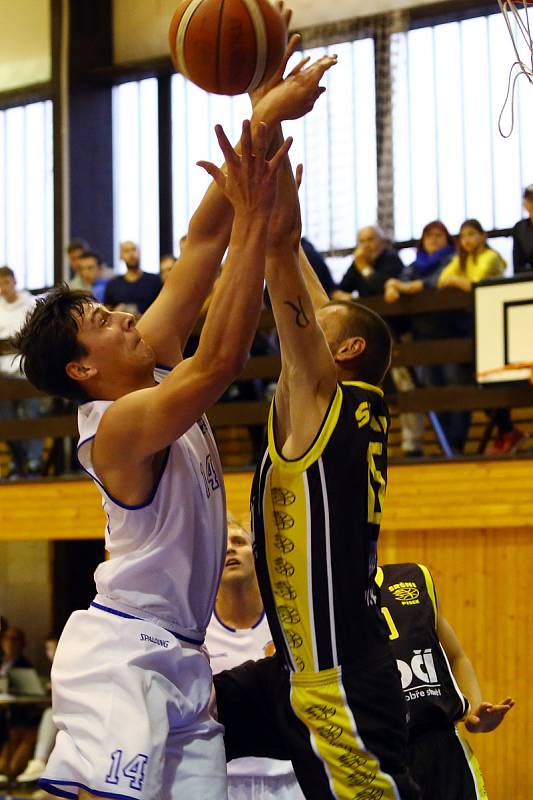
160,414
168,323
308,376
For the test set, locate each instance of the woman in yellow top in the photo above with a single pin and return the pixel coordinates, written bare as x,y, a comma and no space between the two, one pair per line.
474,261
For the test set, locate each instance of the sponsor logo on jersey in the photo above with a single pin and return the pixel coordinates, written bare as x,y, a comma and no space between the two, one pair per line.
419,676
145,637
405,592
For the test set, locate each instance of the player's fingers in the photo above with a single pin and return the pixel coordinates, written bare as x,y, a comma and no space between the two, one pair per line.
298,175
229,153
299,66
246,143
292,44
216,173
323,64
285,12
507,702
278,157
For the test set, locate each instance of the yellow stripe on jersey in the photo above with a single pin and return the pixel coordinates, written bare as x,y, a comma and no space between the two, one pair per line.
319,701
286,511
379,577
431,590
362,385
317,448
473,763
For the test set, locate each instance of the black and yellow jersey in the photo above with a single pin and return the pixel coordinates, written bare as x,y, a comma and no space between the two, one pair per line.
315,523
409,604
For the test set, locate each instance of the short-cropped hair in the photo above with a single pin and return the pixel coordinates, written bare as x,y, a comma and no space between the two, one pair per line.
92,254
48,340
358,320
6,272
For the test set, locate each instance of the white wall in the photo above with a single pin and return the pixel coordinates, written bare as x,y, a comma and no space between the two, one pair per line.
25,48
152,18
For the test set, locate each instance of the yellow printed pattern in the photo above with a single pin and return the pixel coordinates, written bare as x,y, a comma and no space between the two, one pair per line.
319,701
285,513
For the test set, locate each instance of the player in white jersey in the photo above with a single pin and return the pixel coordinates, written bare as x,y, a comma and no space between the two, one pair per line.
131,681
239,632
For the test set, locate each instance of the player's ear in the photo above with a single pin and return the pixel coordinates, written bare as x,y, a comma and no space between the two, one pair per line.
80,372
350,348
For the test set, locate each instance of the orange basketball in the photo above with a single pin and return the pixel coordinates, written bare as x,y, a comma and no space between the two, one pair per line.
227,46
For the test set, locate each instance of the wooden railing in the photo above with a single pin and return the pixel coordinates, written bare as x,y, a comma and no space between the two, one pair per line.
61,421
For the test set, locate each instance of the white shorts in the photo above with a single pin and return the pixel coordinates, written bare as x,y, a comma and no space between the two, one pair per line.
266,787
132,705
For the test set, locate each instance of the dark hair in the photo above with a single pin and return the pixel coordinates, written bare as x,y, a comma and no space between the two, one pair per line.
7,272
436,224
48,340
77,244
358,320
91,254
463,255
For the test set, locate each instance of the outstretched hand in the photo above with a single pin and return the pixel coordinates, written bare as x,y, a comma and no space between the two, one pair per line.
250,182
280,98
486,717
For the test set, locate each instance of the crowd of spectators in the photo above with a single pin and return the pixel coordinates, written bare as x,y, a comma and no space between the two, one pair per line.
376,270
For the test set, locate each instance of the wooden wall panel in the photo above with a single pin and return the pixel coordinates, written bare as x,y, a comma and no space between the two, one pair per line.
469,522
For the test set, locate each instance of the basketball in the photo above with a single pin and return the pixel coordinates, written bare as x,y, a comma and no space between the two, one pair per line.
227,46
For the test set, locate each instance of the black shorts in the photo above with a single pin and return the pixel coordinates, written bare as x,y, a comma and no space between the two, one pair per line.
444,766
343,729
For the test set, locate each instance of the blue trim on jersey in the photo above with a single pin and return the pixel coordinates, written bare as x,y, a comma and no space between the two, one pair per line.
179,636
114,611
151,496
163,366
234,630
51,786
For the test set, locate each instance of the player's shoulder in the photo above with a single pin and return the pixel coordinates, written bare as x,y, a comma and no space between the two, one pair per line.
400,573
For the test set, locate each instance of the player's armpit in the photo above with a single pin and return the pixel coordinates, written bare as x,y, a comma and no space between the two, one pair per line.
142,423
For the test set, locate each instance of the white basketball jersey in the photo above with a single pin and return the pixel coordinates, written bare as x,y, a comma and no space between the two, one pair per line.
227,648
167,554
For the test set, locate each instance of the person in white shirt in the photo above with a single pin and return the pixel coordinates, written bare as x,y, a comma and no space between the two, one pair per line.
239,632
15,305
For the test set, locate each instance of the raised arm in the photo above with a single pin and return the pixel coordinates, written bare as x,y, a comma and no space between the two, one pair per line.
168,323
308,375
482,716
141,424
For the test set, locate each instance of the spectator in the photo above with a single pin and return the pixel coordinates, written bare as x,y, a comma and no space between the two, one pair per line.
319,265
435,250
14,306
475,260
239,631
374,263
74,250
19,735
523,236
136,290
90,270
165,265
46,734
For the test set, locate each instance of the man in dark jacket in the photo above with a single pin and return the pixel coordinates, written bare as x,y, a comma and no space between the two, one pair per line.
374,263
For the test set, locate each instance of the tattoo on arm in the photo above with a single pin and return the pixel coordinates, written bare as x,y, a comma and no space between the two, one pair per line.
302,319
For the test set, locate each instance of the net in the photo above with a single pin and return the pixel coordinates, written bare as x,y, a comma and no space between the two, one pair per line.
519,21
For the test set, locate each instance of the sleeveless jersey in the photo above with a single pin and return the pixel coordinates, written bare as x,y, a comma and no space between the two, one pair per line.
228,648
409,605
166,555
315,524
